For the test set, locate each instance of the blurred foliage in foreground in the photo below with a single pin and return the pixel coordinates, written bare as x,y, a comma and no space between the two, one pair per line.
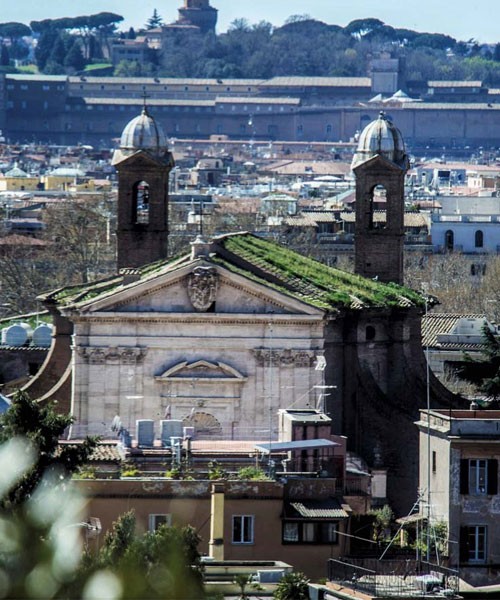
42,533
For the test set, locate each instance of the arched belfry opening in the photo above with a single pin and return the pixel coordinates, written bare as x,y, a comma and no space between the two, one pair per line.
140,203
380,165
143,163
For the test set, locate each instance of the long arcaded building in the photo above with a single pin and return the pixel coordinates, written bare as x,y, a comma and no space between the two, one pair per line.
93,110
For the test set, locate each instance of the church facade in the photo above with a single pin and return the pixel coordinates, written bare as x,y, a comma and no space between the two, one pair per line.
225,336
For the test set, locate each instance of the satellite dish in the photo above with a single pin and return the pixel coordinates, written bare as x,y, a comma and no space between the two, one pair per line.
116,424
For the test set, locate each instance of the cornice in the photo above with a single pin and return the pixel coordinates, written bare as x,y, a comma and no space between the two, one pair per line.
200,318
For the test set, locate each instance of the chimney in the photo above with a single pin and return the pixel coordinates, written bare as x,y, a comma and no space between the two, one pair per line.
216,544
129,275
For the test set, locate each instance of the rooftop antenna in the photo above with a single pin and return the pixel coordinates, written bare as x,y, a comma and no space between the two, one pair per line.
201,218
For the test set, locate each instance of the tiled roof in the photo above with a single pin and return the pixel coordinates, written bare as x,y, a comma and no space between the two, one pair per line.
455,84
304,278
255,100
450,106
152,102
104,451
271,265
113,82
311,219
411,219
316,509
435,324
318,81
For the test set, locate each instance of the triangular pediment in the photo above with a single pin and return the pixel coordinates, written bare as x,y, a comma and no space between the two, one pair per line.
377,161
199,287
140,159
201,370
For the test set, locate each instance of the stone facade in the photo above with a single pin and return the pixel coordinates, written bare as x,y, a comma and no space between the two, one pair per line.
147,351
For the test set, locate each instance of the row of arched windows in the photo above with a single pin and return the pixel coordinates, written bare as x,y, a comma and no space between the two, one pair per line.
449,239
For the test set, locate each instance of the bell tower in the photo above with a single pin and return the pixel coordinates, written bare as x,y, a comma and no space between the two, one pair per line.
143,163
380,165
200,14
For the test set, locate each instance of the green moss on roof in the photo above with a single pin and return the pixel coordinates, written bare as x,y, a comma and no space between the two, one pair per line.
274,266
315,282
89,291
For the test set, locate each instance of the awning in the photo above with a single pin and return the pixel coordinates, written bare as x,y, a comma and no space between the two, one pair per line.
329,508
299,445
410,519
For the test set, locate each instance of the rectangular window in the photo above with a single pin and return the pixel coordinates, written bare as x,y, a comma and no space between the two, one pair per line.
479,476
473,544
243,529
155,521
312,532
291,532
308,532
433,461
329,533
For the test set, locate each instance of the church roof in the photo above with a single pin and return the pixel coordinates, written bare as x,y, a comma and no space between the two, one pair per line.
271,265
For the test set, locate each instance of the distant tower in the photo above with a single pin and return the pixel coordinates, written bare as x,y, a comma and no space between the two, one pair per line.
143,163
380,165
199,13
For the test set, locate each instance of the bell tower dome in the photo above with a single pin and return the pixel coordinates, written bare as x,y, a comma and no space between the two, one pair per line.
143,163
380,165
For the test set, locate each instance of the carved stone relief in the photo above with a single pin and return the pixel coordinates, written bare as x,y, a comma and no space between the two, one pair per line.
284,357
202,285
116,355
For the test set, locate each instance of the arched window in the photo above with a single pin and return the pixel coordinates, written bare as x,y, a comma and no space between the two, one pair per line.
140,204
449,240
478,239
377,201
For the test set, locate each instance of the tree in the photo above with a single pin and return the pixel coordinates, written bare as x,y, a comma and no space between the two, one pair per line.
4,56
74,58
14,31
361,27
42,427
297,19
154,20
485,373
161,564
382,522
79,231
293,586
45,46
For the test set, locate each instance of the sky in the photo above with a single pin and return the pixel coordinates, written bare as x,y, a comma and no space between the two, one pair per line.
462,19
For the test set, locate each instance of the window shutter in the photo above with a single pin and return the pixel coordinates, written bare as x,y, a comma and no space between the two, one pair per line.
464,476
464,544
492,476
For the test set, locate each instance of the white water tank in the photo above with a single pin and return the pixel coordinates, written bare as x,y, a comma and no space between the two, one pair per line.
14,335
42,336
